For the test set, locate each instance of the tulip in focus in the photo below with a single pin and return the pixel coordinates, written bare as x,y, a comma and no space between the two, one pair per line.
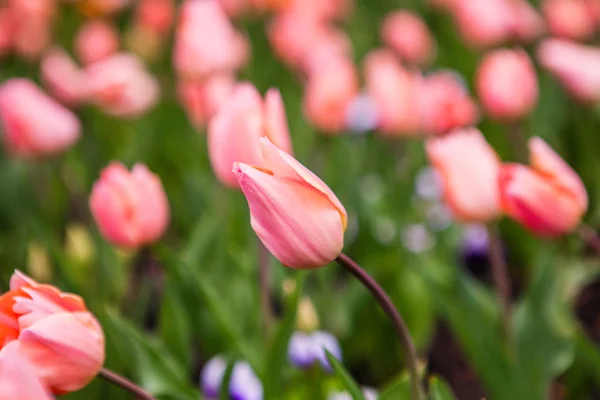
130,208
547,197
201,100
18,378
293,212
121,85
576,66
328,93
234,131
571,19
409,36
56,333
34,124
469,169
63,78
95,41
507,85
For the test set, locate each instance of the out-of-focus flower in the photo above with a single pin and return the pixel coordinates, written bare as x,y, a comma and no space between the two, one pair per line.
155,15
362,114
576,66
244,384
394,90
428,184
95,41
507,84
6,30
306,349
234,131
130,208
330,46
293,212
444,104
201,100
235,8
63,78
101,8
417,238
475,248
368,393
121,85
206,41
571,19
409,36
79,245
211,377
328,92
57,334
483,23
34,124
18,378
306,318
469,168
38,262
31,26
548,197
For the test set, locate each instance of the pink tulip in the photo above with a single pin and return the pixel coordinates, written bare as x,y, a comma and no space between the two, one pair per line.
32,24
234,131
328,92
17,376
507,84
234,8
206,41
122,86
6,30
527,23
293,212
34,125
548,197
101,8
571,19
469,169
332,45
56,333
95,41
576,66
130,208
394,90
63,78
155,15
484,23
201,100
444,104
408,35
324,10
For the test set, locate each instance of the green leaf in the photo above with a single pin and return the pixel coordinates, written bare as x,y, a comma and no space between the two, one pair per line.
154,367
399,389
349,384
224,390
439,390
175,328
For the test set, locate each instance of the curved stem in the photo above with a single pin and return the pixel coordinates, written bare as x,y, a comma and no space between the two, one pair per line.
399,325
500,276
126,384
265,286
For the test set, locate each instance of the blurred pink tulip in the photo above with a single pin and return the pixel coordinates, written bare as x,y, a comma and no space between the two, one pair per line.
444,104
101,8
63,78
507,84
394,90
407,34
56,333
32,25
576,66
235,130
206,41
333,44
6,30
95,41
201,100
327,94
484,23
548,197
155,15
122,86
571,19
18,378
527,24
34,124
130,208
293,212
234,8
469,169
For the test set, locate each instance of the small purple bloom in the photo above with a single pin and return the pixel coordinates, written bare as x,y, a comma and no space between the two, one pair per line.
362,114
244,384
305,349
212,376
325,341
475,249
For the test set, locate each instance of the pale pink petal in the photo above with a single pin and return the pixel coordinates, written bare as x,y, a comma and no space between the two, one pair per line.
18,380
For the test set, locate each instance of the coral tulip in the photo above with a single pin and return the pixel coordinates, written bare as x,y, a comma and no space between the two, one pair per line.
409,36
6,30
234,131
17,376
469,169
95,41
507,84
57,334
293,212
63,78
34,124
201,100
130,208
571,19
548,197
155,15
121,85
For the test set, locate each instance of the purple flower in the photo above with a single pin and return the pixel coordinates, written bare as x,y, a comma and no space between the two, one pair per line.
475,247
211,377
304,350
244,384
362,114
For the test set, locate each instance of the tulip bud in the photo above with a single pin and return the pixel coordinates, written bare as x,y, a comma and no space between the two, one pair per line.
130,208
293,212
469,170
234,131
507,85
79,245
202,100
409,36
548,197
576,66
571,19
33,124
307,319
528,24
17,376
63,78
38,262
95,41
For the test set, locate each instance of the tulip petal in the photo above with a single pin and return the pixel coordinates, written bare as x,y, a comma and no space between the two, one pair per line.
276,125
18,380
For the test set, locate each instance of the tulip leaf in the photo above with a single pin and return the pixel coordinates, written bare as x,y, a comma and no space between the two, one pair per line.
277,352
399,389
344,376
439,390
224,390
175,328
154,367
